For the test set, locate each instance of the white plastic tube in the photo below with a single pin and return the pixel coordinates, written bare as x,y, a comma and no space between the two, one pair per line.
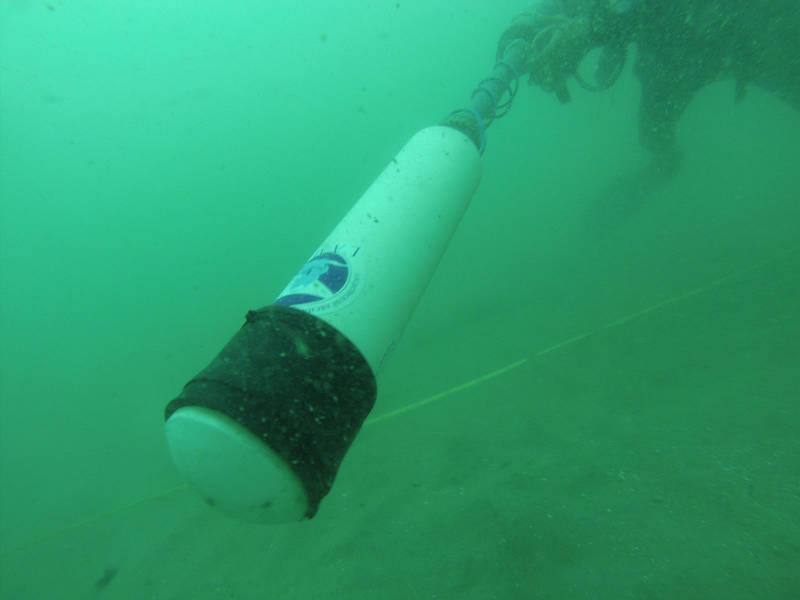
367,277
267,450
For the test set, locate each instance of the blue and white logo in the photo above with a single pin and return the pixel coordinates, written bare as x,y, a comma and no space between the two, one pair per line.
319,284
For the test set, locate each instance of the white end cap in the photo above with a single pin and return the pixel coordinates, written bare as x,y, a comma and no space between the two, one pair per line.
232,468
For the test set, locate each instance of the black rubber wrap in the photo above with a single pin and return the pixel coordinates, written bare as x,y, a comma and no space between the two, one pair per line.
296,383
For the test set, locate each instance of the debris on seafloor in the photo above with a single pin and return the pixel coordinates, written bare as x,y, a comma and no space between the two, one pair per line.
105,578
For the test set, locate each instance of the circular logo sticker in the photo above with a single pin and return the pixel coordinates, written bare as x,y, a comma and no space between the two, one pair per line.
323,283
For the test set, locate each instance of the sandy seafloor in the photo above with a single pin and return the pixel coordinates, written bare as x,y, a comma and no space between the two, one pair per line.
655,458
